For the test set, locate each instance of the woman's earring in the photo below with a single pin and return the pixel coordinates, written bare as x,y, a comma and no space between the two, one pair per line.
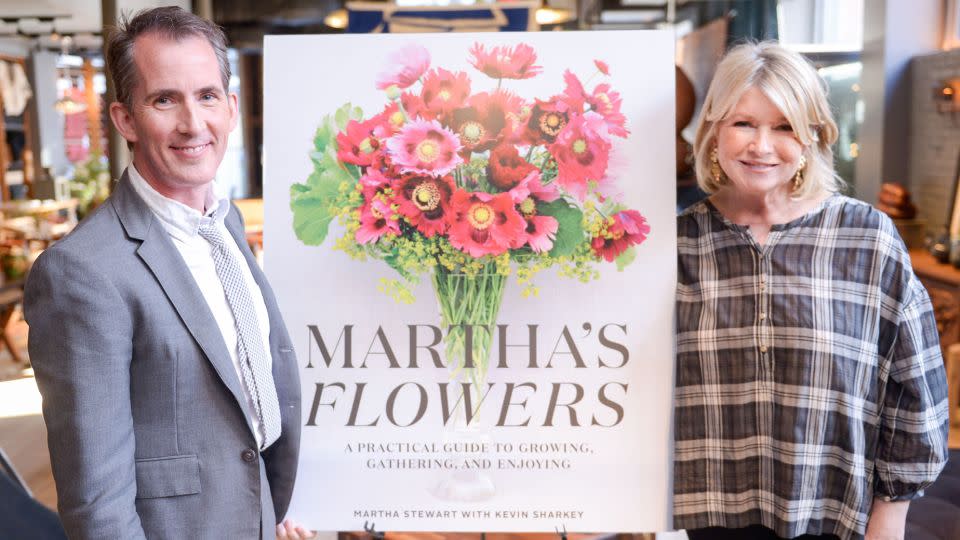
715,169
798,178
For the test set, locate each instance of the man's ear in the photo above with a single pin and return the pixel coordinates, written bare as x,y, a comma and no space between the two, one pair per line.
233,103
123,120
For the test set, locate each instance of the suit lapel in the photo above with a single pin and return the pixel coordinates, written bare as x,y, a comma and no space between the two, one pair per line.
161,256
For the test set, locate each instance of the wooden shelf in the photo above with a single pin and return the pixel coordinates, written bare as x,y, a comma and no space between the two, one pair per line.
17,126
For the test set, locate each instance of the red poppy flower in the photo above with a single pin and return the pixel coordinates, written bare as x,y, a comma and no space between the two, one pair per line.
506,168
483,122
547,119
483,223
425,202
444,91
358,144
389,121
505,62
629,228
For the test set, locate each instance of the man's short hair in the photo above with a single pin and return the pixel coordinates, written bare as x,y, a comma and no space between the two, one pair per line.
169,22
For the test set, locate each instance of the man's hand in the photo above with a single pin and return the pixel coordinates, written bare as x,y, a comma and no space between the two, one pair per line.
887,520
291,530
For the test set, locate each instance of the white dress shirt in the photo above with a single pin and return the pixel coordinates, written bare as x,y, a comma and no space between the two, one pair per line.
182,223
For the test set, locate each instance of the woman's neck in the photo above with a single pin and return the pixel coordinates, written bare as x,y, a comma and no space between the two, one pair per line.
761,211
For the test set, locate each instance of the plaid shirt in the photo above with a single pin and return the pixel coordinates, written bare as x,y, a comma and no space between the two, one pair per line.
809,373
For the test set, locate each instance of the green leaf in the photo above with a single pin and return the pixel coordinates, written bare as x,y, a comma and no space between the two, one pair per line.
325,138
570,230
312,202
625,258
311,206
393,260
610,207
346,113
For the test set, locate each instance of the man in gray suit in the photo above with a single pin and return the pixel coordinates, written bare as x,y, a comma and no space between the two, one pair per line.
170,387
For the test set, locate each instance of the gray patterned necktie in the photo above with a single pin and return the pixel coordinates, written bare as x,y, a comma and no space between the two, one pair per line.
250,348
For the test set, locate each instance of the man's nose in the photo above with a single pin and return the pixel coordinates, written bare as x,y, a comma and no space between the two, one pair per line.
189,121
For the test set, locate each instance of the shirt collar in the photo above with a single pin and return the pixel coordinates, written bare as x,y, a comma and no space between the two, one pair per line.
179,220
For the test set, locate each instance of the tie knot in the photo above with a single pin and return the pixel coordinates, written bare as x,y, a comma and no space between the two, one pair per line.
211,233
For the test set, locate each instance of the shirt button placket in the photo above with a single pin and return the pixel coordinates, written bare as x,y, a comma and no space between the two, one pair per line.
762,303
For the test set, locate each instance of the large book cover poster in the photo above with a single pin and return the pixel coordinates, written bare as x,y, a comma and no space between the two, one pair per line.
473,242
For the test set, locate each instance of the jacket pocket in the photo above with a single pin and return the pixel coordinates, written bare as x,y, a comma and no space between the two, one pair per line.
168,476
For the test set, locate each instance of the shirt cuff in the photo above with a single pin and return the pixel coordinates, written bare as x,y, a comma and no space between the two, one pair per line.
902,497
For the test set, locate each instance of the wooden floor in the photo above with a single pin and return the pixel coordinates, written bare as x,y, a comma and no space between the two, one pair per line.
24,438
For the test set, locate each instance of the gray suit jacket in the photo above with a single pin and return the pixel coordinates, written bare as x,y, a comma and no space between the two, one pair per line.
141,400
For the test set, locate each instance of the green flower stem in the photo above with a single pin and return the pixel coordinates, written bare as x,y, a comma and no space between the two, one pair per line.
474,300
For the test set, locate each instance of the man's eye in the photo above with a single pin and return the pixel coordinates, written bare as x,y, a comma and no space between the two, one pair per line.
208,97
162,100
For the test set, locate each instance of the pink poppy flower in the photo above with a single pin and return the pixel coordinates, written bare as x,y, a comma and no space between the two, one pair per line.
406,66
444,91
582,151
483,223
376,221
424,147
574,96
602,67
629,228
425,202
358,144
540,231
607,103
603,101
532,186
504,62
374,181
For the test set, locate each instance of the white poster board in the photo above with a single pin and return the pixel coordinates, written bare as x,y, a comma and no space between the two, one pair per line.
574,431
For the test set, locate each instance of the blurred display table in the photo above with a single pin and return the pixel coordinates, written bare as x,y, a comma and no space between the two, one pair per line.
11,294
943,283
43,221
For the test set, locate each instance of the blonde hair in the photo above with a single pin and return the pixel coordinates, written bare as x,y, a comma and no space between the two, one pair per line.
794,86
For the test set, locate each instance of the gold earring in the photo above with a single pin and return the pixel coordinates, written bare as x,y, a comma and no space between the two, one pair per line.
798,178
715,169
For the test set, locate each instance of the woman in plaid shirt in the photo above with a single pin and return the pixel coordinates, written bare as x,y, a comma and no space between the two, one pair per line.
811,395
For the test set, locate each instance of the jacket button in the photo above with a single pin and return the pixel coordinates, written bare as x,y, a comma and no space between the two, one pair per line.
248,455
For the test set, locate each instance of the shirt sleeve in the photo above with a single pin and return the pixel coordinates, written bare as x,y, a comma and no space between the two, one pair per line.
81,349
912,445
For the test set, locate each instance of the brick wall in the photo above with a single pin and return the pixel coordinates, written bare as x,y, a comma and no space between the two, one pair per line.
934,138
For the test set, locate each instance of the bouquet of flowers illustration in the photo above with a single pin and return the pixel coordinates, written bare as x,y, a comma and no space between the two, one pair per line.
463,180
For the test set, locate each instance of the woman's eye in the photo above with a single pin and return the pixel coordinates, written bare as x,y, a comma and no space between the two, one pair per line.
785,127
741,123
